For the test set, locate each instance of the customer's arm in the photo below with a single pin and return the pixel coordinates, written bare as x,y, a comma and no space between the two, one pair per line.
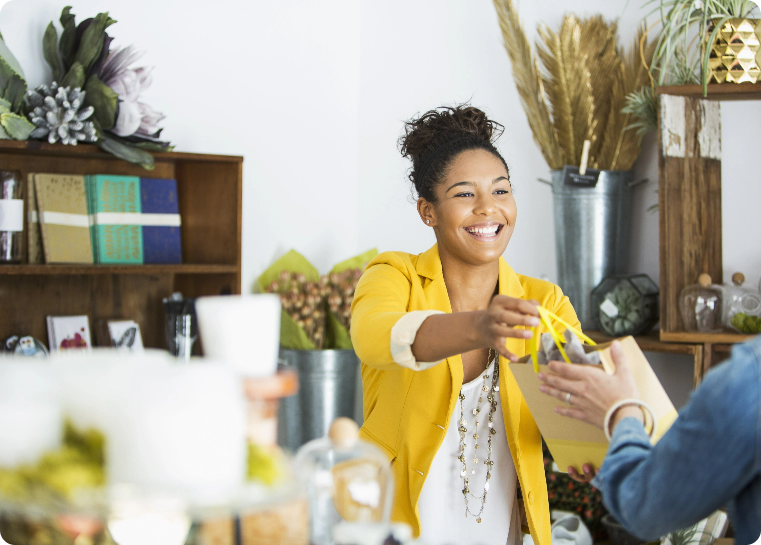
705,459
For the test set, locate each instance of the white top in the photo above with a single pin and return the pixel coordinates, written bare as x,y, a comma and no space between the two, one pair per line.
442,506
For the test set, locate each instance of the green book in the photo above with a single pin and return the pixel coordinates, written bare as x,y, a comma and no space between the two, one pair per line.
115,215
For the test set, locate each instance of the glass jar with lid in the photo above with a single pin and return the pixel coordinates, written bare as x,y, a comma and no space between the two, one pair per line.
625,305
742,306
701,306
348,480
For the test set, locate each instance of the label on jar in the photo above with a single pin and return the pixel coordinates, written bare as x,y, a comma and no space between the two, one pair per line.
609,308
11,215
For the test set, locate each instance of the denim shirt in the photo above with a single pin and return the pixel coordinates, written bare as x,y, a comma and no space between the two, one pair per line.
709,459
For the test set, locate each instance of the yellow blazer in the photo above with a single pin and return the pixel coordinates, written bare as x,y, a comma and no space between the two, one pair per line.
407,412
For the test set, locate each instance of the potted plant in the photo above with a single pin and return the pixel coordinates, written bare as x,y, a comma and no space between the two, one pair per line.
574,94
314,340
728,52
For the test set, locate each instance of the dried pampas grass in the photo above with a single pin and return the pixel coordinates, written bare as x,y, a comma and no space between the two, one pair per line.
581,90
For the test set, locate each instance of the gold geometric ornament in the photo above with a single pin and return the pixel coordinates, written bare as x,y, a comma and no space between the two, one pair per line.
736,52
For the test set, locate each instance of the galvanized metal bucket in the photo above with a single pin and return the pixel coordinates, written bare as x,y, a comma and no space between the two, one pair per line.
328,381
592,233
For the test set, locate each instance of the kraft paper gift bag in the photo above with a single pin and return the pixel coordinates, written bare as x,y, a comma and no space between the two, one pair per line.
572,442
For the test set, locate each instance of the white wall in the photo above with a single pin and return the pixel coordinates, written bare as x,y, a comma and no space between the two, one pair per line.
314,94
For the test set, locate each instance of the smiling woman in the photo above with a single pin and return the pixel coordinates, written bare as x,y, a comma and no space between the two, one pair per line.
433,330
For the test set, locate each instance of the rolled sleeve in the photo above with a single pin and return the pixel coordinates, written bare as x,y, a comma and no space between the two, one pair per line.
403,335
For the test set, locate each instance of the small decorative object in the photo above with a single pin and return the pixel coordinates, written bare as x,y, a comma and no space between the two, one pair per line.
124,335
701,306
705,532
25,346
316,308
95,95
348,480
181,325
741,309
733,57
68,332
625,305
59,114
11,216
242,331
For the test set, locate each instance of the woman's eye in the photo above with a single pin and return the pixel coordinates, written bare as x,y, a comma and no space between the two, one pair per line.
465,194
501,192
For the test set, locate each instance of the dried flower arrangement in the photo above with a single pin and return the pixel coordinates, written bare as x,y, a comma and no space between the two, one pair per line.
316,309
581,90
94,96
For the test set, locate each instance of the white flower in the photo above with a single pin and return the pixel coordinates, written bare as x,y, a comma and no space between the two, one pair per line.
133,116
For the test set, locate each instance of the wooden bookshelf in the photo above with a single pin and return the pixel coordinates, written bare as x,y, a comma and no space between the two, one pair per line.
209,188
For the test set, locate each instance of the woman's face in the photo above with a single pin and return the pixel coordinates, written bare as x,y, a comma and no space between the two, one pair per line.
474,214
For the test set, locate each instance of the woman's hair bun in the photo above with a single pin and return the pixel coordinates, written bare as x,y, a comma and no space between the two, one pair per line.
433,139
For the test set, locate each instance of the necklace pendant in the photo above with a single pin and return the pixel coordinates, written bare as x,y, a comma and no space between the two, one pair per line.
475,412
478,520
496,388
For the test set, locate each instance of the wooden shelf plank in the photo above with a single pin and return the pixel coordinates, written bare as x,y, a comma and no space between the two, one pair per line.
83,269
649,343
716,91
704,338
82,151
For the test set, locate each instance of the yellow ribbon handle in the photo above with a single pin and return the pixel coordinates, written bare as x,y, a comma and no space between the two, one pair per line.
546,317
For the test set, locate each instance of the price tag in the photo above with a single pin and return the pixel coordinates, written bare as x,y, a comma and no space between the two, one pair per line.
572,177
609,308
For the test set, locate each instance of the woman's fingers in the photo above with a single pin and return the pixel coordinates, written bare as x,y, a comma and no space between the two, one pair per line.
518,305
587,476
513,318
557,386
503,351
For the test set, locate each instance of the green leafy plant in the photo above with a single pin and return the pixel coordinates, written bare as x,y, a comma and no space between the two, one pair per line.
13,122
682,50
81,59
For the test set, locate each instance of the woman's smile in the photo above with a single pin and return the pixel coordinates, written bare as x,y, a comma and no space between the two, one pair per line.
485,231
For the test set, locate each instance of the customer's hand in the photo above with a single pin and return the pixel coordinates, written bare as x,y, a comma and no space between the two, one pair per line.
593,391
498,322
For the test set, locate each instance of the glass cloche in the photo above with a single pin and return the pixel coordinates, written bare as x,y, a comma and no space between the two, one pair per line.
348,480
701,306
741,311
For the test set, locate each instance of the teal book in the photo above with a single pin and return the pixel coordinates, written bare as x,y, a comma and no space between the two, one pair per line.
90,192
115,205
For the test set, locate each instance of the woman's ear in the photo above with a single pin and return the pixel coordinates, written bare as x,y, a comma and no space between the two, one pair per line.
426,212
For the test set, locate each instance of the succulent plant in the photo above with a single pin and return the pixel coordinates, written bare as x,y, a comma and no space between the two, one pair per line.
57,114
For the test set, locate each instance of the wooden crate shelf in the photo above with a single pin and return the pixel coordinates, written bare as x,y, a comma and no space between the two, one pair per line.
716,91
209,188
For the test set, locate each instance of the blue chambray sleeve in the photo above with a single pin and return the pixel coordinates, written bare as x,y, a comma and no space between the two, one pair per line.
705,459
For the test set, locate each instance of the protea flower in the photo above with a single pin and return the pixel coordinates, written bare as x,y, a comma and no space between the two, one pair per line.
133,117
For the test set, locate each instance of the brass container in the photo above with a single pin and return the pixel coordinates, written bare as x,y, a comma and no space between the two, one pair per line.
735,55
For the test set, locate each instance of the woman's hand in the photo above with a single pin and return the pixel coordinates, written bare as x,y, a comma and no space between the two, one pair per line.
593,391
497,323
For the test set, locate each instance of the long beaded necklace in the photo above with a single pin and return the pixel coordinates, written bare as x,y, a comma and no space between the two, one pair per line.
492,399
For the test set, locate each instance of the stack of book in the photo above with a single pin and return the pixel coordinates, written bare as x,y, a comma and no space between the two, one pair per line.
102,218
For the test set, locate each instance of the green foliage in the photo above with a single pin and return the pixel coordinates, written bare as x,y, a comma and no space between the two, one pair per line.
115,145
16,126
643,105
68,38
78,463
75,77
263,465
746,323
105,101
50,50
93,38
680,54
